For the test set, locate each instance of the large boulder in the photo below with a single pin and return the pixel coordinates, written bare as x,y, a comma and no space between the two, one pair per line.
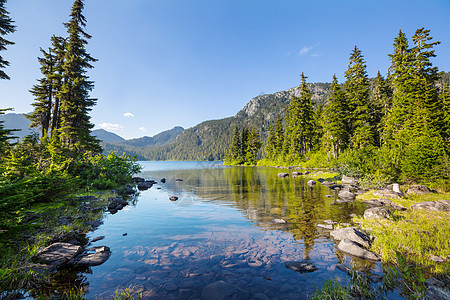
300,266
377,212
346,195
283,175
352,233
116,203
101,254
145,185
443,205
357,250
58,254
418,189
349,180
384,203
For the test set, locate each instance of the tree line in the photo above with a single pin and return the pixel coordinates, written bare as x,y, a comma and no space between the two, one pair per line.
244,147
384,129
64,157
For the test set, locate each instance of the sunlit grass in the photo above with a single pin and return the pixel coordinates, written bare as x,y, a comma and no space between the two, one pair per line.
332,290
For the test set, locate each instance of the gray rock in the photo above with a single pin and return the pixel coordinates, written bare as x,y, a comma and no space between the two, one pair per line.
336,186
311,183
437,293
326,226
221,290
58,254
279,221
96,239
300,266
138,179
443,205
145,185
163,180
329,222
101,255
305,173
173,198
418,189
377,212
328,183
117,203
357,250
396,188
352,233
346,195
349,180
94,223
283,175
436,258
296,174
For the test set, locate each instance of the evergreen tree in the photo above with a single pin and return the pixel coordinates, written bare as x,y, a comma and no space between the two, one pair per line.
244,142
300,123
75,125
445,100
380,104
234,153
356,89
5,135
279,137
254,143
6,27
335,128
270,145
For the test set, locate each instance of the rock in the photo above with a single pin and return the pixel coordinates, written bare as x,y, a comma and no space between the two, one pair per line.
433,281
300,266
418,189
320,180
357,250
384,202
352,233
145,185
326,226
279,221
138,179
125,234
163,180
58,254
396,188
296,174
96,239
346,195
443,205
221,290
101,255
437,293
305,173
311,183
349,180
377,212
117,203
436,258
387,193
329,196
329,222
328,183
38,269
179,179
283,175
128,190
173,198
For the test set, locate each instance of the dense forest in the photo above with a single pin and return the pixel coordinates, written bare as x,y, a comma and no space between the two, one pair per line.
65,156
383,129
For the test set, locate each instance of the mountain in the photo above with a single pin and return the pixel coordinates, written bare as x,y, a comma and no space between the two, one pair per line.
106,136
134,146
210,140
17,121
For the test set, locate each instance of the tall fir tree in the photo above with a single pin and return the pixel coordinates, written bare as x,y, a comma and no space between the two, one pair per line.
445,100
254,143
279,137
356,89
6,27
244,142
300,123
75,126
234,153
380,104
270,144
336,137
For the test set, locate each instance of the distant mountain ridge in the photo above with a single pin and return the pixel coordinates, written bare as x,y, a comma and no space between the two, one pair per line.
106,136
17,121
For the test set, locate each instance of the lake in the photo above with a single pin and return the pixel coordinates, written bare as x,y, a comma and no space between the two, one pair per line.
220,233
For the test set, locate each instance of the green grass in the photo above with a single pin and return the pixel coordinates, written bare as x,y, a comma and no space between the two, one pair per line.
332,290
414,234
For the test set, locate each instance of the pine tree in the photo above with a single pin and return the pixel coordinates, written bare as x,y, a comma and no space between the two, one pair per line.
335,128
234,153
445,100
75,125
380,104
5,134
6,27
270,145
245,135
279,137
253,146
300,123
356,89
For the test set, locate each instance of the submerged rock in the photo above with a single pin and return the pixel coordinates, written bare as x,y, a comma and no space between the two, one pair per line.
173,198
346,195
357,250
221,290
300,266
58,254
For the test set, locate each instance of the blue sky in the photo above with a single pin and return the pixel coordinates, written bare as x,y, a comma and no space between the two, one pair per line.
164,63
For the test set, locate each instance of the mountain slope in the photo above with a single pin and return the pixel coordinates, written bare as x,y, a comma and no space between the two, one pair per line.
210,140
106,136
17,121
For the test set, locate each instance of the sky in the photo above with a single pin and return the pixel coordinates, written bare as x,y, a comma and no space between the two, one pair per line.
166,63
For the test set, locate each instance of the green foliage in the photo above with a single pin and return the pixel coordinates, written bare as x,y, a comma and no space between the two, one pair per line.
6,27
332,289
244,147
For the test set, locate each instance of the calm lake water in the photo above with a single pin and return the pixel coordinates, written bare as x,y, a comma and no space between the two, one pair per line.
220,229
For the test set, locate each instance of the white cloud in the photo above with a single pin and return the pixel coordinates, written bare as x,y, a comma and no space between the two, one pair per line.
128,115
304,50
143,129
315,55
110,126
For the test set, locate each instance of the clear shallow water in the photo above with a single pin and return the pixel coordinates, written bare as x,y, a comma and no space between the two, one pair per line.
221,228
